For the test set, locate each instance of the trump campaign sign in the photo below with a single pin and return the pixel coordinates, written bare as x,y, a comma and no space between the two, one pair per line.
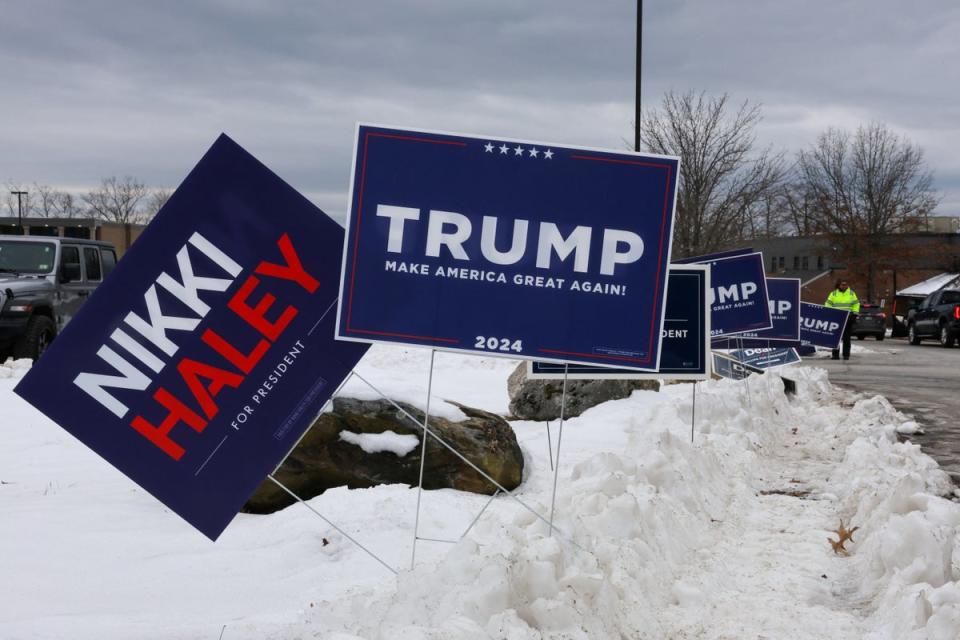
784,303
198,364
822,326
685,346
526,249
738,292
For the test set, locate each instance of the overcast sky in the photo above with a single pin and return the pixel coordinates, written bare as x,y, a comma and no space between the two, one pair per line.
91,89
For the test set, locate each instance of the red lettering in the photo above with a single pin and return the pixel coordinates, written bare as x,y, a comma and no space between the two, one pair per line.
293,270
176,412
256,316
191,371
243,362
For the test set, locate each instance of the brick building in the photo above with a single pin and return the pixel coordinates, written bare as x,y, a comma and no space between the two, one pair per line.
120,234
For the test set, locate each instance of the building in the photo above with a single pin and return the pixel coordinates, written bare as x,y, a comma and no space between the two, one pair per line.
120,234
818,263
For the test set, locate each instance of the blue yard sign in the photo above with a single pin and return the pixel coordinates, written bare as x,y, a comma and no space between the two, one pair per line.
739,300
685,347
784,306
766,358
822,326
726,366
198,364
526,249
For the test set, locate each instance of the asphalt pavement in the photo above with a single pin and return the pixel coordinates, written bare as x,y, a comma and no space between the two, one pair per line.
921,381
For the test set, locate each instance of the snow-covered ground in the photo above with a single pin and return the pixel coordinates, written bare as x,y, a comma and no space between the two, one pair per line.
722,538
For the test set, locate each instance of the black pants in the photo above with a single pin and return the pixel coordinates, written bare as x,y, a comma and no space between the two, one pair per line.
846,339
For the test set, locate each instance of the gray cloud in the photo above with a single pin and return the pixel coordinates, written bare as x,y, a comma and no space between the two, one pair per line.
99,88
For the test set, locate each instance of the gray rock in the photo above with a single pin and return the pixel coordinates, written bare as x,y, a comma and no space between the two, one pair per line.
540,399
322,460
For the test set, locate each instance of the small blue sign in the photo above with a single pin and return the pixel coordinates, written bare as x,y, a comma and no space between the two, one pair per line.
739,300
822,326
784,304
208,351
727,367
523,249
685,349
766,358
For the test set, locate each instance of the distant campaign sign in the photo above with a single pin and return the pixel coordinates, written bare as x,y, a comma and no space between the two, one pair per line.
784,306
738,300
822,326
766,358
726,366
685,349
198,364
525,249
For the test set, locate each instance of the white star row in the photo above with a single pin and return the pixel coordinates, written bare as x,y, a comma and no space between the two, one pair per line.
532,152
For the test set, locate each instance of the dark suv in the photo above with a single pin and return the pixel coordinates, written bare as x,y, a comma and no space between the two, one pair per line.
938,316
871,321
43,282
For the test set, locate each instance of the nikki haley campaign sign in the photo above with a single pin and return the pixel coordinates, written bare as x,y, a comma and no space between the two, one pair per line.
525,249
200,361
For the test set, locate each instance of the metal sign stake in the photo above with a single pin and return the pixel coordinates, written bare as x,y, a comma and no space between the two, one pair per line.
423,460
470,464
556,470
325,519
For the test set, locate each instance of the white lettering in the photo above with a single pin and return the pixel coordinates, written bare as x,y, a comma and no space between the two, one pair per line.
578,243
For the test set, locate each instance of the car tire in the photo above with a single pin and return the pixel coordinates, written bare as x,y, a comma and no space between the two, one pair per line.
880,337
861,337
946,336
912,336
35,340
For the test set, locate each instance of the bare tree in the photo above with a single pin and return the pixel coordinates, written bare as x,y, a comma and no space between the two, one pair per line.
155,202
46,200
863,187
725,182
117,199
67,205
26,200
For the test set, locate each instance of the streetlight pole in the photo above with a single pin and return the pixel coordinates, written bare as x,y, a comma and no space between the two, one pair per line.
636,119
19,195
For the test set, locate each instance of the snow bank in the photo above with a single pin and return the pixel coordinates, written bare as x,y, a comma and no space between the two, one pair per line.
661,537
389,441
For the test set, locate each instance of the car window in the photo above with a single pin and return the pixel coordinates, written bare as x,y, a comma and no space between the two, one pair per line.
950,297
109,260
928,301
91,260
70,256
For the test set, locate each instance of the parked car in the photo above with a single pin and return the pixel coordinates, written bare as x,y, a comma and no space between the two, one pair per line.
43,282
938,316
871,321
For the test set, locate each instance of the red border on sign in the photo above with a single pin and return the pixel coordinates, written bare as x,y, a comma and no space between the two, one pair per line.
663,226
356,245
356,237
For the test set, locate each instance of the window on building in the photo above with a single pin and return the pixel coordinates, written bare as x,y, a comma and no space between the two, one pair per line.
819,263
44,230
773,263
796,262
782,261
76,232
805,263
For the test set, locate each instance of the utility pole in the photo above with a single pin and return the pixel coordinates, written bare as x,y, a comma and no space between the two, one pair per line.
19,195
636,118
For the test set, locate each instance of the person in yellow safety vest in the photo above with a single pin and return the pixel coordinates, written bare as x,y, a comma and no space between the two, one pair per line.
843,297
